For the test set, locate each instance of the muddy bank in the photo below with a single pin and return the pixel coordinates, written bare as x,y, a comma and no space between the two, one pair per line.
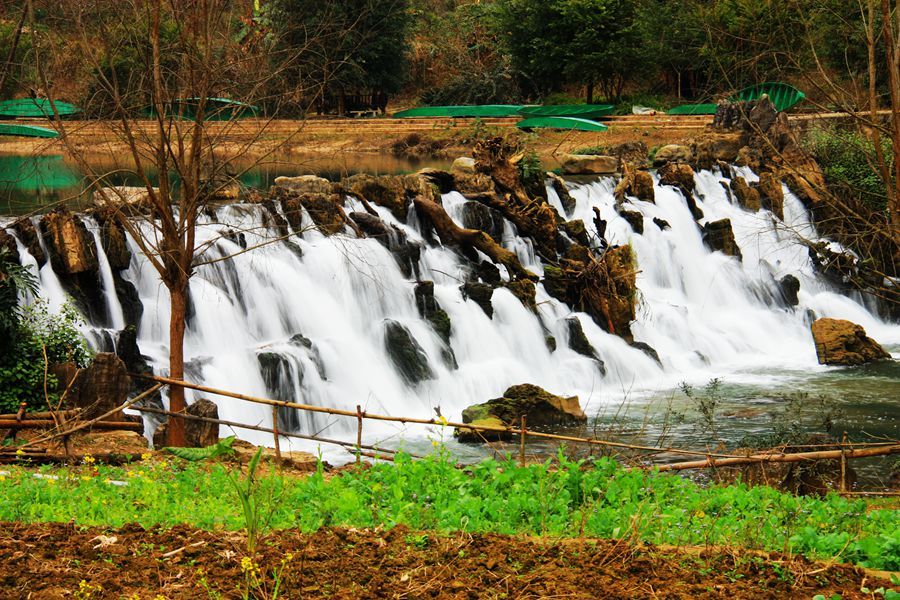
52,561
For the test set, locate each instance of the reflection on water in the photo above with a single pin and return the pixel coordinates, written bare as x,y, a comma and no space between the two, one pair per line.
34,182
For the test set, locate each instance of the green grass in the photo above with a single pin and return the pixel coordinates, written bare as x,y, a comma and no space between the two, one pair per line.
557,498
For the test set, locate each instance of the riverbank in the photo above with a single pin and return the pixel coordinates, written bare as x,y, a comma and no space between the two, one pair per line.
57,560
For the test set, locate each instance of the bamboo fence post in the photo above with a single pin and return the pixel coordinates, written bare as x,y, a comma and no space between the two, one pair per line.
844,462
522,441
359,426
275,436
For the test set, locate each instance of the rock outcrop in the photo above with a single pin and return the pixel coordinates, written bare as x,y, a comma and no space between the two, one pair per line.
100,387
840,342
197,434
790,288
406,353
431,311
637,183
540,408
719,235
71,247
672,153
589,164
747,197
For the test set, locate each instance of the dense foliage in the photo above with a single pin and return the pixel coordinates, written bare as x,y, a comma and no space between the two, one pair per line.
32,337
557,498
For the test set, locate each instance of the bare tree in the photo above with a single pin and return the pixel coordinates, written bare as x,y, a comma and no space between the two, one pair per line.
182,54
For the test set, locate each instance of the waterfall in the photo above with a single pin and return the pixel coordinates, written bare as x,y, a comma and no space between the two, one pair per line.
306,319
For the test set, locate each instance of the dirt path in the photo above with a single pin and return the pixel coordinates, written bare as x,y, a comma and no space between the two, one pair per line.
52,561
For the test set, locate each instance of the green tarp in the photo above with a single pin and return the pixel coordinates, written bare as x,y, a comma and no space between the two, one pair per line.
568,123
582,111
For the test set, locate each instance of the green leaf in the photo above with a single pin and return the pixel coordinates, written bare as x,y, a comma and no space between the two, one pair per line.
222,448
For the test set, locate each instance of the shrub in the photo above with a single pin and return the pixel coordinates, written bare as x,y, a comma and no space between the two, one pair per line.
848,161
22,368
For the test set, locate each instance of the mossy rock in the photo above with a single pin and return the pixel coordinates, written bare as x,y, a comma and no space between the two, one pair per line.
406,353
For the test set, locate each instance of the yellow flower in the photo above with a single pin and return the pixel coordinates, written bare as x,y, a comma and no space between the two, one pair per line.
146,456
699,514
443,420
88,459
2,477
20,452
435,443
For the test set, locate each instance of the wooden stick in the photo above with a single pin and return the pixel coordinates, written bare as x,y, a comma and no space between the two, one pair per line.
781,458
844,462
359,426
405,420
19,416
42,423
522,441
275,436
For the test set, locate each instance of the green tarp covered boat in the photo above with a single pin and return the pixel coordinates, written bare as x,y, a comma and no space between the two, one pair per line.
567,123
27,131
783,95
581,111
215,109
481,110
35,108
694,109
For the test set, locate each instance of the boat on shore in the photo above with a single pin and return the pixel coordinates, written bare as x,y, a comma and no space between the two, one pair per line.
566,123
36,108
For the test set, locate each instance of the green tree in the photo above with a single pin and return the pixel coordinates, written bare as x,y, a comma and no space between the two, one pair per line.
343,47
588,42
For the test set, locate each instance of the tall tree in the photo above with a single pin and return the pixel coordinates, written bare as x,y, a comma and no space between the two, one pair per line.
588,42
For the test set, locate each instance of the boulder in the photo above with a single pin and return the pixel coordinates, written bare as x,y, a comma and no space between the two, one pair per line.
771,194
431,311
562,191
115,197
629,152
9,243
712,148
28,235
463,164
648,350
525,291
481,294
576,230
200,434
473,184
115,244
325,210
634,218
465,435
746,196
71,247
476,215
679,175
718,235
589,164
406,353
540,408
579,343
636,183
394,192
488,272
840,342
97,389
789,287
672,153
661,223
437,177
305,184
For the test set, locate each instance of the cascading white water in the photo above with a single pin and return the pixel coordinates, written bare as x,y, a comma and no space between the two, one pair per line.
305,320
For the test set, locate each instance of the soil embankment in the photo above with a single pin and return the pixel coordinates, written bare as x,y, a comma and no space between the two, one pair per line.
55,560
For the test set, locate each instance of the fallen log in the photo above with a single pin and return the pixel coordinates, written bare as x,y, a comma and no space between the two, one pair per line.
451,233
710,463
59,414
42,423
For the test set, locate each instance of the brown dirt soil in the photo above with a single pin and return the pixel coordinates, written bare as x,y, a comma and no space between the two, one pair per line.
51,561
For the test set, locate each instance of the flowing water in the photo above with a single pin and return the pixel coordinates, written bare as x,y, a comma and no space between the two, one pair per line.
304,320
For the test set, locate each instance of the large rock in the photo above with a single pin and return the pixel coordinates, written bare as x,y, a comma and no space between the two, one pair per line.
840,342
463,164
406,353
71,247
431,311
719,235
97,389
562,191
679,175
114,242
746,196
481,294
634,218
305,184
672,153
576,230
710,149
636,183
325,210
525,291
790,289
771,194
579,343
197,434
28,235
119,196
394,192
476,215
589,164
9,243
539,407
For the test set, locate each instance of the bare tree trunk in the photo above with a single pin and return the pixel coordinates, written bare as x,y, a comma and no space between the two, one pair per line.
177,317
889,19
590,92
